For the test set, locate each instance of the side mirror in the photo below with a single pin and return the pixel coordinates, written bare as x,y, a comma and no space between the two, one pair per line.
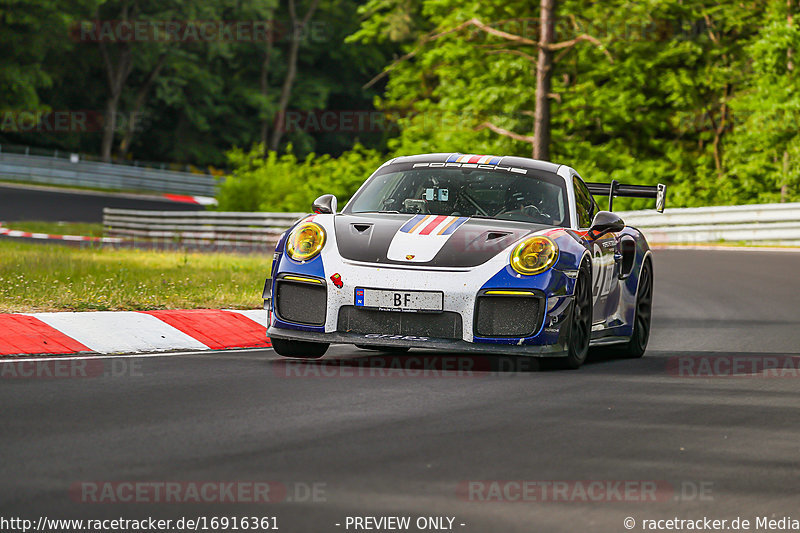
325,204
605,222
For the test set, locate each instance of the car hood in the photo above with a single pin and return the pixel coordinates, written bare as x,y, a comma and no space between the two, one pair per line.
426,240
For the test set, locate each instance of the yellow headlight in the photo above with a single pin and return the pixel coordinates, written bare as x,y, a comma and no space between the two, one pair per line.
534,255
305,241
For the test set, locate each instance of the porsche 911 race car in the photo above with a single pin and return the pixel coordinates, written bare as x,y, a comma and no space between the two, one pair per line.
466,253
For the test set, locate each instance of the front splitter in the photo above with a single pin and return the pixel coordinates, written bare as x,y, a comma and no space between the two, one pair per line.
410,341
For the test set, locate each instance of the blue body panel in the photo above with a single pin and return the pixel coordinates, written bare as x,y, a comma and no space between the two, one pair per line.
283,264
557,288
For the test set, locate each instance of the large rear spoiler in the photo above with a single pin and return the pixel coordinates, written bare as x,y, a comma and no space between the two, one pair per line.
615,188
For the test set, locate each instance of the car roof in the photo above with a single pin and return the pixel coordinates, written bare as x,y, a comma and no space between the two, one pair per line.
509,160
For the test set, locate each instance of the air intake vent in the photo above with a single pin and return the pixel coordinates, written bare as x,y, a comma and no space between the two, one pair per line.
302,303
446,325
508,316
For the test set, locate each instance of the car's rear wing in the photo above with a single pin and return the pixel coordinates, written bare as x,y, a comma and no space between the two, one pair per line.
615,188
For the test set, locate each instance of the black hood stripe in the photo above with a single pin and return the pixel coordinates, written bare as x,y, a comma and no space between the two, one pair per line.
366,238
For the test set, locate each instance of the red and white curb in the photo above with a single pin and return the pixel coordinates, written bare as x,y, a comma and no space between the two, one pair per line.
115,332
51,237
199,200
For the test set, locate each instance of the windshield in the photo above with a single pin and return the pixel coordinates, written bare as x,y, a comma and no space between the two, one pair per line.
536,196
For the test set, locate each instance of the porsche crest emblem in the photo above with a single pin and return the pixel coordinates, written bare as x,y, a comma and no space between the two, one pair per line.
409,257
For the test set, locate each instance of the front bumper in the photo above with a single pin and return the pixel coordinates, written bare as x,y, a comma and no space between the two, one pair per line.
445,345
460,287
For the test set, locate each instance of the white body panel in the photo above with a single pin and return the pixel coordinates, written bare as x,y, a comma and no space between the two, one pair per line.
458,285
415,248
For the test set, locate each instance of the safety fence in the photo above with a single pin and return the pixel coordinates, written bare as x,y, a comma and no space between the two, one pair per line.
755,224
75,172
752,224
198,229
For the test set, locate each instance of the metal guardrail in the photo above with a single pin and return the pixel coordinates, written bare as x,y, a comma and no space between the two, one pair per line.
253,231
762,224
757,223
58,171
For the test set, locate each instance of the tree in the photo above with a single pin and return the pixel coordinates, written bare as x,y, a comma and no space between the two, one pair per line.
544,74
540,141
133,66
648,101
297,27
119,59
26,40
764,145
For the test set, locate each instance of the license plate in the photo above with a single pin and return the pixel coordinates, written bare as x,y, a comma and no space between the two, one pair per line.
400,300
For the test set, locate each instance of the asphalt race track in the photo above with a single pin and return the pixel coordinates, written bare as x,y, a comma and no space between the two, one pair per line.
51,204
718,447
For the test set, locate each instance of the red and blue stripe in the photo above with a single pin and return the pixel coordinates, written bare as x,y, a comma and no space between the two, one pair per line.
476,159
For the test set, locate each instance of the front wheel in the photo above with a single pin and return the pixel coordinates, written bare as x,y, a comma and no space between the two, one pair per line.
299,349
580,332
641,323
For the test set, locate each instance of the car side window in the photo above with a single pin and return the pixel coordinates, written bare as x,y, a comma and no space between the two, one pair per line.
584,203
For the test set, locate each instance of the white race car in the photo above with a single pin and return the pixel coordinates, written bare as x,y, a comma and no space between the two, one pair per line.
465,253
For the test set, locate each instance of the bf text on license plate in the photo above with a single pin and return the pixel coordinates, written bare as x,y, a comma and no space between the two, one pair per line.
401,300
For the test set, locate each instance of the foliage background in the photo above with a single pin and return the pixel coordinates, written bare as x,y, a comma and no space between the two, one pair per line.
697,94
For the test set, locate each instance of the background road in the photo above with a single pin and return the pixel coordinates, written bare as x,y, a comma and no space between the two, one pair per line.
51,204
388,445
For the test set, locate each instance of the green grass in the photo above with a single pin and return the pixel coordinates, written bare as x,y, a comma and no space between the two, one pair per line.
45,277
57,228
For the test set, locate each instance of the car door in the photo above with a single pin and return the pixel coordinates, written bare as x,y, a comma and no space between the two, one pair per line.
605,285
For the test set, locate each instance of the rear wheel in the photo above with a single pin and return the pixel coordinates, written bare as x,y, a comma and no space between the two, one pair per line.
641,323
299,349
580,332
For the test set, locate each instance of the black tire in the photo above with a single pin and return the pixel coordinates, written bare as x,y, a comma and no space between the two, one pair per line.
389,349
299,349
580,331
636,347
